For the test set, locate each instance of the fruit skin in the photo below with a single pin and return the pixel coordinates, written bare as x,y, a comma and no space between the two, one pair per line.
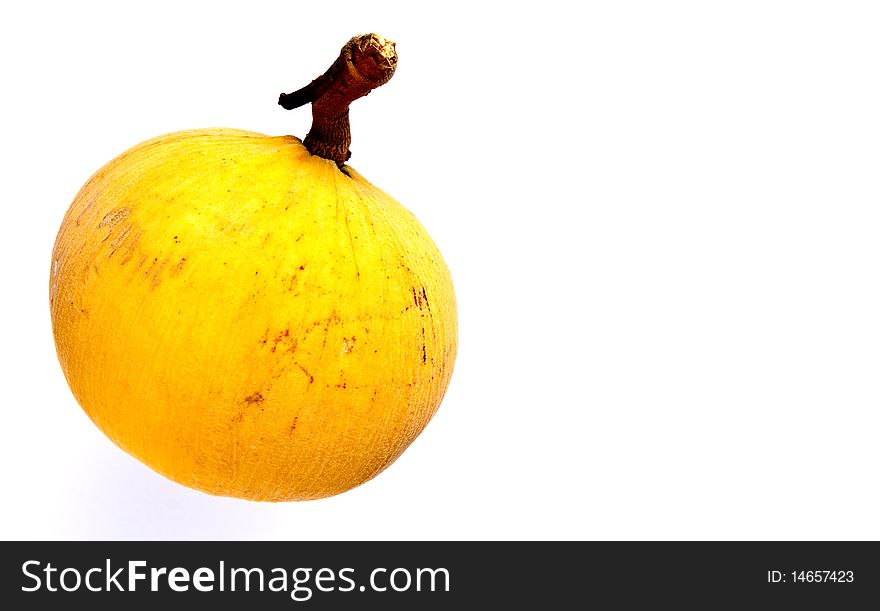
247,319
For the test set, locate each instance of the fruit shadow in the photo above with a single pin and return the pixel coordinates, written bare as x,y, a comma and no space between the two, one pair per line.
119,498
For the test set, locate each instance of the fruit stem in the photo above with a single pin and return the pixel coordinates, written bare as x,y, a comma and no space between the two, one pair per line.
365,62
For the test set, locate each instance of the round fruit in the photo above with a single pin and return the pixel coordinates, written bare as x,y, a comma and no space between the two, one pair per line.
250,319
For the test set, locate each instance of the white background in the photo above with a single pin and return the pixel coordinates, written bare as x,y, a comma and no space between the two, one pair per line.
662,219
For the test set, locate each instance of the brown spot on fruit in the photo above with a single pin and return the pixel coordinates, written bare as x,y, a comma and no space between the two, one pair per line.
157,276
308,375
285,341
149,269
294,278
178,267
348,344
257,397
424,348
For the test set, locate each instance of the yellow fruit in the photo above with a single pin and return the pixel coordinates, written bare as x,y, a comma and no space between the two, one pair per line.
248,319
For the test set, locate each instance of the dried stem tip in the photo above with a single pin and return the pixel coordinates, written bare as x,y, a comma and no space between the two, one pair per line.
365,62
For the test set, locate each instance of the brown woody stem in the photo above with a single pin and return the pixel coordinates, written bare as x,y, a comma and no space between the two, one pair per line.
365,62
